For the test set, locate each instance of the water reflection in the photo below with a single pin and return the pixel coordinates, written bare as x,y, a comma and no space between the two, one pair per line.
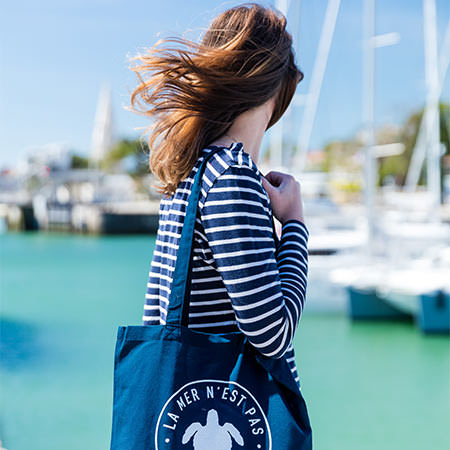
18,344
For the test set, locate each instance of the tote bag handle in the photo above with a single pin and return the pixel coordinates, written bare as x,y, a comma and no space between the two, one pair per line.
178,309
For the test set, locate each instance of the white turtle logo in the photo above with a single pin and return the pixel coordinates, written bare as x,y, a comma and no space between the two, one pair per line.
212,435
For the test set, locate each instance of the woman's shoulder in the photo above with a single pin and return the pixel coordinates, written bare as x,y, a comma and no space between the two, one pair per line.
234,155
227,160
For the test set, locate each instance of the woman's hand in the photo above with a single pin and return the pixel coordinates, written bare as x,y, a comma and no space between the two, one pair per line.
285,196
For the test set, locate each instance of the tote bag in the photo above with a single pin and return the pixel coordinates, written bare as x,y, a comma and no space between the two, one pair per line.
180,389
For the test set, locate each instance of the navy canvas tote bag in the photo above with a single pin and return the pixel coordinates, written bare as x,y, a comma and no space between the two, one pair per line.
175,388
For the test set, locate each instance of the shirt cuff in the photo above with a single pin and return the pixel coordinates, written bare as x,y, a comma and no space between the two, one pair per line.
295,224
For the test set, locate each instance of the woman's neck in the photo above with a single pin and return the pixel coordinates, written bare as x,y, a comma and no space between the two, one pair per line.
248,128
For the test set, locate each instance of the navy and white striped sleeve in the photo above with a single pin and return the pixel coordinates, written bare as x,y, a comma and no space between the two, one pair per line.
266,285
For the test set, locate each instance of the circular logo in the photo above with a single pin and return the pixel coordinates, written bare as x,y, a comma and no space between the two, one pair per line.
212,414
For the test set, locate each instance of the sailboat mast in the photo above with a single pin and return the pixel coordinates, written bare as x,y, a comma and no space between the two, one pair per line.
368,121
432,126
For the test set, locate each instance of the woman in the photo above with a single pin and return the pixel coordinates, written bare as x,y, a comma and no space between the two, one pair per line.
223,95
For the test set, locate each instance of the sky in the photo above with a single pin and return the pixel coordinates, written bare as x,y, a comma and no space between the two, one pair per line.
55,55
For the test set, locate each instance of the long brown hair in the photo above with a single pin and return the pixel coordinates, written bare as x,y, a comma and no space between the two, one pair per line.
195,93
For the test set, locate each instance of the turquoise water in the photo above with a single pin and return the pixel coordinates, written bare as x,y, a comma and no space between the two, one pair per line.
367,386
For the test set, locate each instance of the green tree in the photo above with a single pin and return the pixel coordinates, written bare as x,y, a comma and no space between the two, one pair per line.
79,162
397,165
131,153
342,155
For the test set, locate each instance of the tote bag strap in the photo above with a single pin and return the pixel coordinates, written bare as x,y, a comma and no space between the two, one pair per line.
178,309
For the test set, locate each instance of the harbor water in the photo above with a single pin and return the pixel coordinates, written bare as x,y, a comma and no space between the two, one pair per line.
367,385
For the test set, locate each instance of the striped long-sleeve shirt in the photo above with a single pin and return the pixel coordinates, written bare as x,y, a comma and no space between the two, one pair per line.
241,279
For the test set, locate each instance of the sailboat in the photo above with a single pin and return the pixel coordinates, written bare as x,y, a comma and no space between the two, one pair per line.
385,260
409,277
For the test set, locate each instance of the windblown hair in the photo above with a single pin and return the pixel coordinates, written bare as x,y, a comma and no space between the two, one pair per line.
194,94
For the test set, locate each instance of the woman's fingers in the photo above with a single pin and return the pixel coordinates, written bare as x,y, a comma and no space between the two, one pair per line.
285,195
275,178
